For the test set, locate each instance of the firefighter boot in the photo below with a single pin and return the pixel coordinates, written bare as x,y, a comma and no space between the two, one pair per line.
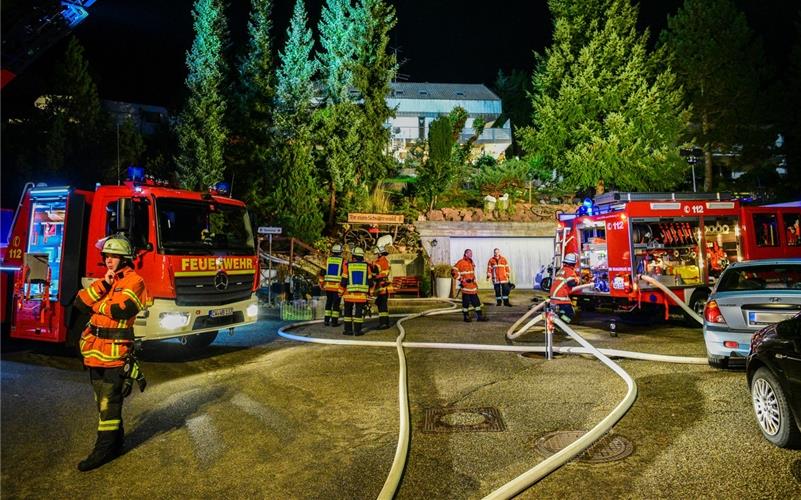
467,318
327,321
497,302
357,329
107,448
383,322
335,321
506,303
481,317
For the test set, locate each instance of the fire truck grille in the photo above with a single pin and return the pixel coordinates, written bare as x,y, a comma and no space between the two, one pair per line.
200,290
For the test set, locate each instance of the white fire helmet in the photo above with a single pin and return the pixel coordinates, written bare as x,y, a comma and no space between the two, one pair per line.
570,258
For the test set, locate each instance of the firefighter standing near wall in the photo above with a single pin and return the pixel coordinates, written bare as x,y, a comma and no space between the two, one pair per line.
382,285
107,344
563,282
355,286
332,276
499,271
465,271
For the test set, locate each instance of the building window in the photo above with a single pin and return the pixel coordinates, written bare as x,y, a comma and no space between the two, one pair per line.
421,127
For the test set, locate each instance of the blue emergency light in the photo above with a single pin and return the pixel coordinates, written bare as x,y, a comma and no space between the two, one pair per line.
587,207
136,174
221,188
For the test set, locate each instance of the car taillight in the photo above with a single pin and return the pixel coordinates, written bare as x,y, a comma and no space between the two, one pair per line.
730,344
712,313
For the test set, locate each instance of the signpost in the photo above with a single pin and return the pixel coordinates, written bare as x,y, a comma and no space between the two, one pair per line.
269,231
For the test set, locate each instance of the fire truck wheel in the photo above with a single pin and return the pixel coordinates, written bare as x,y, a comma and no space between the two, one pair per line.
697,302
198,341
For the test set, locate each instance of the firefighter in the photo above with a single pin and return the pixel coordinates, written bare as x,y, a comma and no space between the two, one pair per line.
354,288
563,282
332,276
107,344
499,271
382,287
465,271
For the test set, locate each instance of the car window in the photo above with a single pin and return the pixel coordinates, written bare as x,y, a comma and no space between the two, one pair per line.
761,277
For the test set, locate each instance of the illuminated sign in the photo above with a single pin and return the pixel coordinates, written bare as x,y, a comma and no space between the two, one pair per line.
356,217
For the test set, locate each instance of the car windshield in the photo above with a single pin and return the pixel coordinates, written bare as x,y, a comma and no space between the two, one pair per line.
779,276
203,227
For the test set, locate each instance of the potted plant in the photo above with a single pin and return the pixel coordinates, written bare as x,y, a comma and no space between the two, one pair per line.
444,280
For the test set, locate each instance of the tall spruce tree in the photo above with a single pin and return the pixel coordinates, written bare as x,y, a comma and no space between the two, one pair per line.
437,173
252,122
716,57
373,71
600,109
295,199
337,30
295,87
201,131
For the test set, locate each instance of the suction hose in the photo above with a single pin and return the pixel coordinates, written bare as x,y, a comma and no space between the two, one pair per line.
694,315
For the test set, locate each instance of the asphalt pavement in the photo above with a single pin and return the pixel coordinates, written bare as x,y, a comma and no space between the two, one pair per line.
258,416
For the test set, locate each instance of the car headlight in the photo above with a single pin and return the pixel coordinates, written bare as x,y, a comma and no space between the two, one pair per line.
252,310
173,320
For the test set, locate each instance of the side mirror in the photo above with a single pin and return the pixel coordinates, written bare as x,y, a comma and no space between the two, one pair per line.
124,212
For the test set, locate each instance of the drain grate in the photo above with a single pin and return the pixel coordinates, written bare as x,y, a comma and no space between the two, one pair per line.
609,448
487,419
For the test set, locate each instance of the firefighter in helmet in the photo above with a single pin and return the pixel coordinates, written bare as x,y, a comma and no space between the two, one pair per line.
465,271
563,282
382,286
332,276
354,288
499,271
107,344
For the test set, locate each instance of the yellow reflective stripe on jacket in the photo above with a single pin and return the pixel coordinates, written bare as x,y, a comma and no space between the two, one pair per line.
132,295
94,353
92,293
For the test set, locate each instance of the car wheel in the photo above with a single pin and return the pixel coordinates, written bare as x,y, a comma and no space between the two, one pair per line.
545,284
719,362
697,302
773,411
198,341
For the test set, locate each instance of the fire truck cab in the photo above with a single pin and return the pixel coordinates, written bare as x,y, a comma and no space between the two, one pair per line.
195,251
682,240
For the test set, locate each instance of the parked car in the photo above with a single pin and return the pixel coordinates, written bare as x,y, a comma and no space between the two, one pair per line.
773,370
748,296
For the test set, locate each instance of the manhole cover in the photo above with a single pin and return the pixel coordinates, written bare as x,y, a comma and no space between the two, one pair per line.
463,420
607,449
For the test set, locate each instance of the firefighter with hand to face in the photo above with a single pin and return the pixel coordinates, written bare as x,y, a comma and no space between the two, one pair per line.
563,282
107,344
381,269
499,271
465,271
330,284
354,287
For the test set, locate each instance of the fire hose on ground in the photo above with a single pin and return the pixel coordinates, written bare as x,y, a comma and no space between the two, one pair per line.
545,467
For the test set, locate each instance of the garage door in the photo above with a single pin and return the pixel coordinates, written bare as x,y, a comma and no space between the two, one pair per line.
525,256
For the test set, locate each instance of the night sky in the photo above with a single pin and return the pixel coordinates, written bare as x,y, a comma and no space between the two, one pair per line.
136,48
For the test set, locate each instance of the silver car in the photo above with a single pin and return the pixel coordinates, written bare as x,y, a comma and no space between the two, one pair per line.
748,296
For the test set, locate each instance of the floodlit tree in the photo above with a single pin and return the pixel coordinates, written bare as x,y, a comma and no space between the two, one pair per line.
295,87
716,57
436,175
337,29
600,108
513,90
373,71
252,117
200,129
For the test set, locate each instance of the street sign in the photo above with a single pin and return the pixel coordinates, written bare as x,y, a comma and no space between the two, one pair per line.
356,217
269,230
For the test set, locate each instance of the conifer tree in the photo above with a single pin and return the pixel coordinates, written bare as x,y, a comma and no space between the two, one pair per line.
201,131
600,109
337,30
715,56
295,87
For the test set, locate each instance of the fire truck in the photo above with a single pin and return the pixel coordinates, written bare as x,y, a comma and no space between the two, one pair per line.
195,251
681,240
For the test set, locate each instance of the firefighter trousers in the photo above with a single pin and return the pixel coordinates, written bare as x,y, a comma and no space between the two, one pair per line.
382,303
354,317
107,384
471,302
502,292
332,300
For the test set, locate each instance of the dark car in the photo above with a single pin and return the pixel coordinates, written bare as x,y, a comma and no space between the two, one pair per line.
773,369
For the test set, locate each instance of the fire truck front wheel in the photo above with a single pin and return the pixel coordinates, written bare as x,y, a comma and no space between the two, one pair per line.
198,341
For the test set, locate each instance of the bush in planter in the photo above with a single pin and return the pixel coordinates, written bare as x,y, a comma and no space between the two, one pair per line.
443,271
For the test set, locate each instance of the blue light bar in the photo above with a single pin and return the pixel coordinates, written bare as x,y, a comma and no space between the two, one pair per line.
136,174
74,11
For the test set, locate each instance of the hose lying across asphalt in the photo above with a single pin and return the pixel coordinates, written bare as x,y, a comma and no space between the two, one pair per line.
546,466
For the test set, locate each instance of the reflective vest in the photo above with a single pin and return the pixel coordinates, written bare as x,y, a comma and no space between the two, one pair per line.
563,282
109,335
498,269
465,272
333,273
356,281
381,276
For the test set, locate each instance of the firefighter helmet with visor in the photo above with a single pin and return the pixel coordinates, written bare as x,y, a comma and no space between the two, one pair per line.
570,258
118,245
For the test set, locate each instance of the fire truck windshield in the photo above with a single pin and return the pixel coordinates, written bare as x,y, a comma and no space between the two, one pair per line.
203,227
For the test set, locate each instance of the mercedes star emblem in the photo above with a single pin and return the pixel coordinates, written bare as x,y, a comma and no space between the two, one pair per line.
221,281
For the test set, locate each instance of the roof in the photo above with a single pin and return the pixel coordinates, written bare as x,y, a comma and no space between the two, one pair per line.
452,91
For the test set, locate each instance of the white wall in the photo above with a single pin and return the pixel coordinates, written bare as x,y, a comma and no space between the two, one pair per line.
525,256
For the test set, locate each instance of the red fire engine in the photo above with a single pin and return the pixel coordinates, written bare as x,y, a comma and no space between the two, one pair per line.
682,240
195,251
